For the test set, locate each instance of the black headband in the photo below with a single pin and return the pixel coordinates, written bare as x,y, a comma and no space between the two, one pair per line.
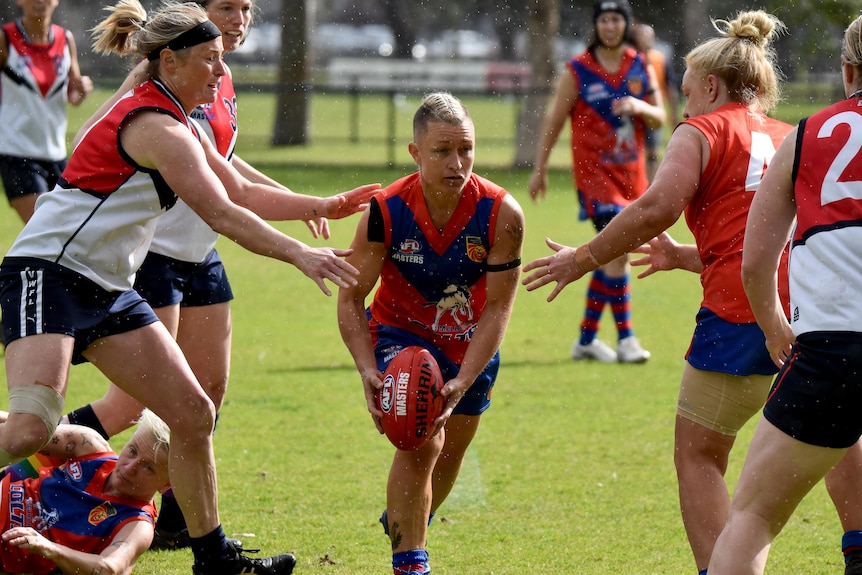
203,32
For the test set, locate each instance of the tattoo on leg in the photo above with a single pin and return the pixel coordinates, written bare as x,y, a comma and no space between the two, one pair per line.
396,535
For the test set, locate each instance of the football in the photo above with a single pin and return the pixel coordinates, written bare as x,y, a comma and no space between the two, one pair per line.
410,398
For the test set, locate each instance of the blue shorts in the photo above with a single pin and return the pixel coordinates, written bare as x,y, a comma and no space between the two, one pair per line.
37,297
602,213
389,341
25,176
652,139
818,393
164,281
725,347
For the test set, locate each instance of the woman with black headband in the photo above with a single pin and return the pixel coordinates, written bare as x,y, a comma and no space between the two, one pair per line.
183,277
66,282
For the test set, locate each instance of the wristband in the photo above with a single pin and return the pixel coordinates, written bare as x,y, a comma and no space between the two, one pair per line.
585,259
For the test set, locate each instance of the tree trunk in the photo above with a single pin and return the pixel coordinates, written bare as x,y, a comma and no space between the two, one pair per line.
543,24
292,90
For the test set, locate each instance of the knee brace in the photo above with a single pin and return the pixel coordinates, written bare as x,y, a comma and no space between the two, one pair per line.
39,400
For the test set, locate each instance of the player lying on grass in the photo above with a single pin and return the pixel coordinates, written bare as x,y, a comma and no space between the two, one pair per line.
91,510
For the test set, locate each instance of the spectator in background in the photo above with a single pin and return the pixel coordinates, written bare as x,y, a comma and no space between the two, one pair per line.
40,74
643,38
609,94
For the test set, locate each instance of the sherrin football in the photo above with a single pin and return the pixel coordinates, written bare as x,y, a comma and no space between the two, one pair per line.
410,398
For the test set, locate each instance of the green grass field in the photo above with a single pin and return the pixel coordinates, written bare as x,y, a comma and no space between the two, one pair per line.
572,470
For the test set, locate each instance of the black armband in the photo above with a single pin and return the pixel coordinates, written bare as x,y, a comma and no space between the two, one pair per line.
503,267
376,230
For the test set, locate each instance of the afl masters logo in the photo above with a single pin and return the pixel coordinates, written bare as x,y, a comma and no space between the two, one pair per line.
386,393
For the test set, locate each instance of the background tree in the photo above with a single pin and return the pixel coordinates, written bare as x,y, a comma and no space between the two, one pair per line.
543,22
291,110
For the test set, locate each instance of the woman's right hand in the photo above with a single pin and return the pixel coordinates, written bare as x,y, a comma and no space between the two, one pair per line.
538,185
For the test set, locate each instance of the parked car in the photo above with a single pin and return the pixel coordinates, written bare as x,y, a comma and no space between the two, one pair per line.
458,44
334,40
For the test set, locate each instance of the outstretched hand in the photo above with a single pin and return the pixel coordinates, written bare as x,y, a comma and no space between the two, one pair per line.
538,186
560,267
319,227
348,203
660,255
326,264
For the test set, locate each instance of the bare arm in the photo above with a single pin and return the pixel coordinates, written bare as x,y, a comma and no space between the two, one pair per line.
272,201
156,141
565,97
319,225
770,220
675,184
4,50
368,258
664,254
79,86
118,558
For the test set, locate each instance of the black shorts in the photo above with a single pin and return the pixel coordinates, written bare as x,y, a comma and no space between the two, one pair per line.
817,395
40,297
25,176
164,281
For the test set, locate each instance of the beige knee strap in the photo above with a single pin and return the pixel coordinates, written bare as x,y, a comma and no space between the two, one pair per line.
39,400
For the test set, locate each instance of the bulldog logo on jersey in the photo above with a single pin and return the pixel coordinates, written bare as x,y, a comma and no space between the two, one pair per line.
475,250
454,304
101,512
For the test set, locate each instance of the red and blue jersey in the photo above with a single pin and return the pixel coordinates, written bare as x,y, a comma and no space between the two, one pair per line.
741,144
67,505
433,283
608,150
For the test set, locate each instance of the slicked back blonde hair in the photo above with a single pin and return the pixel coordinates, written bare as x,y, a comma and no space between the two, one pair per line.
743,58
150,425
440,107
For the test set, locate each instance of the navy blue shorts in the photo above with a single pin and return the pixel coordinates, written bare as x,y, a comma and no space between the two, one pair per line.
390,340
734,348
164,281
817,396
25,176
652,139
602,213
39,297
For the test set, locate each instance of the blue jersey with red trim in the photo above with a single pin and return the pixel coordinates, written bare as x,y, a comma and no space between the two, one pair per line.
433,283
67,505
